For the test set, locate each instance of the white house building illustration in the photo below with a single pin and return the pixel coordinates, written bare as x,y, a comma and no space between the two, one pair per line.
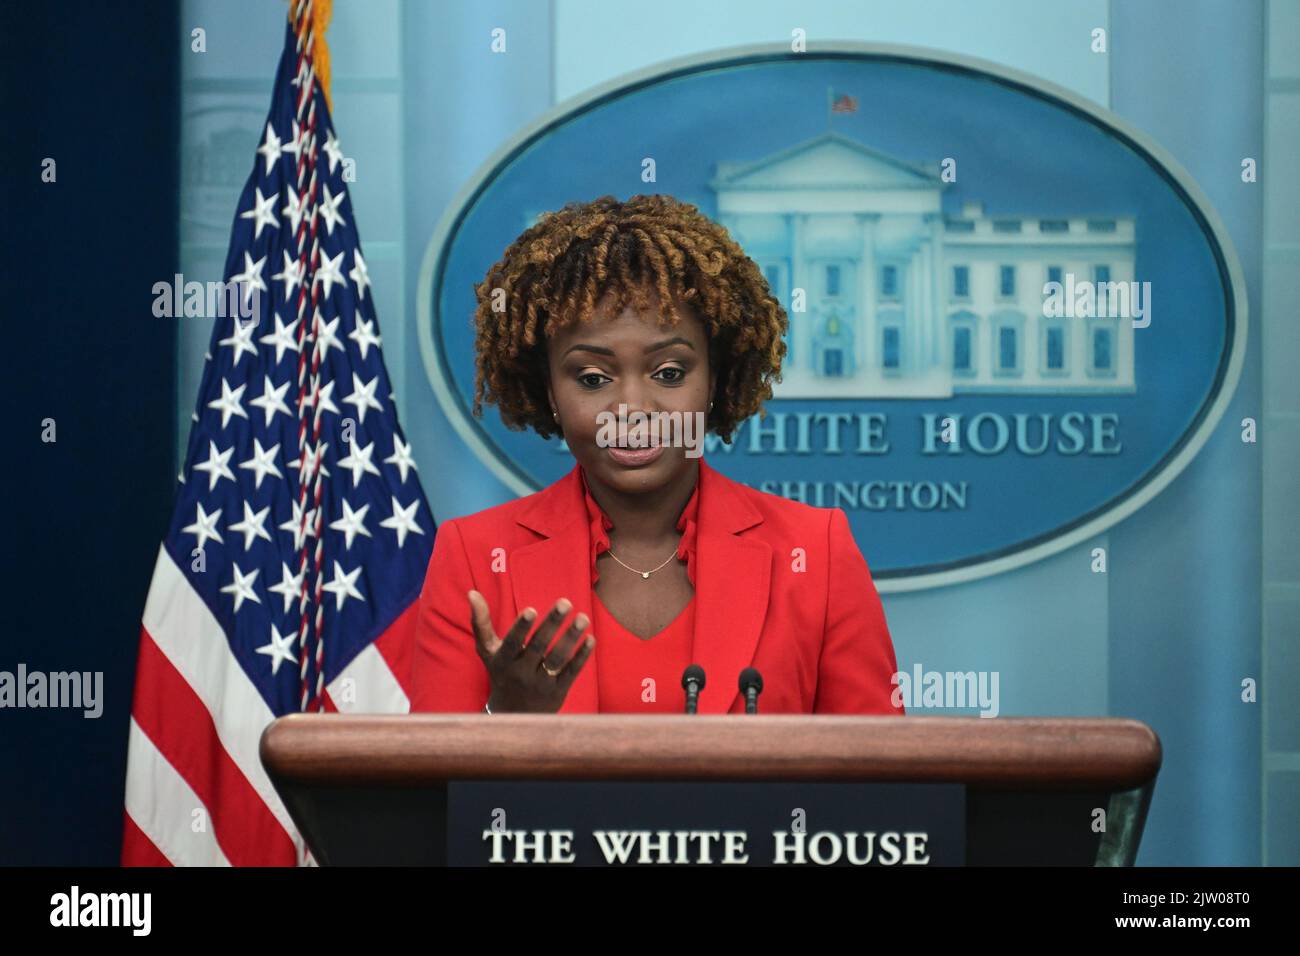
905,302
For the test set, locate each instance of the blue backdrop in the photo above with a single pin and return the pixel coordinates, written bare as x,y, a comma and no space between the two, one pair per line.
1167,636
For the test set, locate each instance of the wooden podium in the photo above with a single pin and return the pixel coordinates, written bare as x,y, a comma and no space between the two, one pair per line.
372,789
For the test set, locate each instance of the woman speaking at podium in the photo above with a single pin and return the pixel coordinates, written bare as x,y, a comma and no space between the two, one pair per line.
596,593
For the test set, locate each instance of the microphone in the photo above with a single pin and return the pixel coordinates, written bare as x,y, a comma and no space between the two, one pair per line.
751,685
693,683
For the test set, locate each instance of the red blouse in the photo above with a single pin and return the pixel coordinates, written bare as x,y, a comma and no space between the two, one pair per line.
627,664
624,662
600,523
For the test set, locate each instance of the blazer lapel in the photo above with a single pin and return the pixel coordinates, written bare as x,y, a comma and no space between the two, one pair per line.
733,578
731,589
559,566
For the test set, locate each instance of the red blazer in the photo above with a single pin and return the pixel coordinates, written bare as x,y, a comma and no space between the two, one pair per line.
780,586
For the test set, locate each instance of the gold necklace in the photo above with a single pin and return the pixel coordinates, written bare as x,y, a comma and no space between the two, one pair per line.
644,574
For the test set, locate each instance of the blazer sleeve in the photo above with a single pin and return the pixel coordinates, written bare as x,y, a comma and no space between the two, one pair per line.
857,663
447,675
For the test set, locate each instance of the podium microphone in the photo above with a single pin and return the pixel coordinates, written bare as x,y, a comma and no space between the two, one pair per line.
751,685
693,683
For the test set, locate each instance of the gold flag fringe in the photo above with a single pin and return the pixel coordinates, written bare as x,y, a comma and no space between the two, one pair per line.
321,10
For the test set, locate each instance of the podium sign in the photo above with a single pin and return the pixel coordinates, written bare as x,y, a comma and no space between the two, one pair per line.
502,822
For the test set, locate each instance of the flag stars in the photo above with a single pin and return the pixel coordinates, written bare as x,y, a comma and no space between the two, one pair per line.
272,400
279,648
251,277
290,585
358,462
363,396
216,466
329,211
262,464
359,274
344,585
241,340
403,521
327,338
290,274
295,208
401,457
300,526
352,523
228,404
262,213
241,587
364,335
328,273
332,150
282,338
204,527
271,148
314,455
296,141
253,525
304,323
323,400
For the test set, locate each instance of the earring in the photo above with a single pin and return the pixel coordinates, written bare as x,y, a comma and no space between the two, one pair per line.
555,415
710,406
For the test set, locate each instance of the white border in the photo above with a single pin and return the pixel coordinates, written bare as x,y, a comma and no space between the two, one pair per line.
721,58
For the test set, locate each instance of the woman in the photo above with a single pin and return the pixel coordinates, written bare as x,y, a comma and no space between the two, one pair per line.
613,311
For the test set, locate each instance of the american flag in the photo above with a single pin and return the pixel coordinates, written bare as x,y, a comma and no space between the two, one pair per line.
844,104
290,573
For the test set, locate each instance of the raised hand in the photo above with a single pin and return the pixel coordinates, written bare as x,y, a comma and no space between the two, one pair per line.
526,678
